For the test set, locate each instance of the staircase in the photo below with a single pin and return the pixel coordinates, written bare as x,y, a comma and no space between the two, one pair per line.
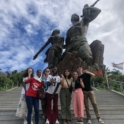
111,107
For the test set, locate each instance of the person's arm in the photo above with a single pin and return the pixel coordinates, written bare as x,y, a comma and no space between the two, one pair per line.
82,83
42,48
90,73
24,84
62,80
29,77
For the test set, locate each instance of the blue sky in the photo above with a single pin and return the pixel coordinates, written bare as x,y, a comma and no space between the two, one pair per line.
25,25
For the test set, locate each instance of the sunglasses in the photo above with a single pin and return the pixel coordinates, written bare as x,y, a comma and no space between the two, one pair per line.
47,71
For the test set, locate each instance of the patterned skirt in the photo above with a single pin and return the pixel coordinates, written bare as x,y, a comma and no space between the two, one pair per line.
22,107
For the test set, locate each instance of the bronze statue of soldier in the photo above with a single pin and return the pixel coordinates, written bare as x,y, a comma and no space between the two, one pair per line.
76,35
54,53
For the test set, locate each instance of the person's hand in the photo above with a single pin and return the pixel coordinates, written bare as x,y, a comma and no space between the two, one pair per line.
30,72
44,85
73,89
51,80
85,71
36,55
62,76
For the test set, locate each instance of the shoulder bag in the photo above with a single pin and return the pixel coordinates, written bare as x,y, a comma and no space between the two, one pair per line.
41,93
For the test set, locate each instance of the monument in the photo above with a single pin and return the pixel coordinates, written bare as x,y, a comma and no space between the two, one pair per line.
77,50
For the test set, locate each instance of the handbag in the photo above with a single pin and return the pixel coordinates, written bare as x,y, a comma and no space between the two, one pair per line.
41,93
69,87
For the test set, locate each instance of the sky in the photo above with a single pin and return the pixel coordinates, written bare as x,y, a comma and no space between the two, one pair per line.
25,25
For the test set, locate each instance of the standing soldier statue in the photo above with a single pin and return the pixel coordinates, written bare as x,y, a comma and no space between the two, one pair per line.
76,35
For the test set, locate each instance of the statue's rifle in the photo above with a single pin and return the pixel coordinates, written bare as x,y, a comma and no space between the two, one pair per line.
94,3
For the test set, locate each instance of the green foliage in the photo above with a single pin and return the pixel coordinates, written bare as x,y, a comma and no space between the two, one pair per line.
12,79
97,79
115,75
8,83
116,86
99,82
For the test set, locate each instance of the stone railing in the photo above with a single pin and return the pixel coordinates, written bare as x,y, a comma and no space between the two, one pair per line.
113,85
98,85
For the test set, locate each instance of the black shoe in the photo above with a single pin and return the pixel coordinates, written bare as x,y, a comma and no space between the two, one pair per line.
78,122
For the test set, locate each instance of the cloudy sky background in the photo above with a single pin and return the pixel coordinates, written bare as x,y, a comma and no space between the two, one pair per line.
25,26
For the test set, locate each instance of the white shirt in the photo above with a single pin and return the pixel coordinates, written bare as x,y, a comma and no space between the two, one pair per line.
38,78
47,79
27,86
52,87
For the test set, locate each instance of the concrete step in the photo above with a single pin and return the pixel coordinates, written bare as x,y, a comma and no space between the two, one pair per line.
42,121
111,107
103,112
104,116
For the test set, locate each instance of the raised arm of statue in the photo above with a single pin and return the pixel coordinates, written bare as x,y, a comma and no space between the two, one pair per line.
91,13
42,48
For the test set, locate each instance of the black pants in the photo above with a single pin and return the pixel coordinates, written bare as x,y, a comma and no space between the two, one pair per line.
43,106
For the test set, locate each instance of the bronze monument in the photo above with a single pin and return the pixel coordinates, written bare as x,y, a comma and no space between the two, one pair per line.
77,50
54,53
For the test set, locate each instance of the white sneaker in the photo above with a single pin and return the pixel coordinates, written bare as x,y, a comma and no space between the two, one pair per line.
31,121
47,121
89,122
25,122
57,122
100,121
78,122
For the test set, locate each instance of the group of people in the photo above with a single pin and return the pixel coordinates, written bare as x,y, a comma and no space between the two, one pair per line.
55,86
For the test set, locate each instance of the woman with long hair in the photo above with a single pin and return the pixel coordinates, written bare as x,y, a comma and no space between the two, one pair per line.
65,97
22,106
31,96
78,98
